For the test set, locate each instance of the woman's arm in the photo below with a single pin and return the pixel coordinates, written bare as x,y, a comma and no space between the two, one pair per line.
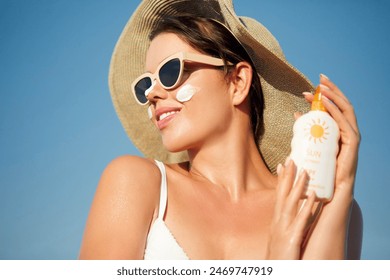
122,210
340,217
337,232
355,233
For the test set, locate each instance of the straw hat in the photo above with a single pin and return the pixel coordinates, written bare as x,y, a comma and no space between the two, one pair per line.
281,83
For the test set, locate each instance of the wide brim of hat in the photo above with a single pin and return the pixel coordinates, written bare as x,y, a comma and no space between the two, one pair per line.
281,83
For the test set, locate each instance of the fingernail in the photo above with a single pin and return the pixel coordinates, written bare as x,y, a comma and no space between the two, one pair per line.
288,161
325,98
324,87
324,76
279,169
306,93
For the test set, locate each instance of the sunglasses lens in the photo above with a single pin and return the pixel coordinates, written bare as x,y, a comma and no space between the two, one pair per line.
170,72
140,89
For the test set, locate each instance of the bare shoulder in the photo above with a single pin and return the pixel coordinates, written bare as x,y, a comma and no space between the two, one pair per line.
129,177
131,171
355,232
122,210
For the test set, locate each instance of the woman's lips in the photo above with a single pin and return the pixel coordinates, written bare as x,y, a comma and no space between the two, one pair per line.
165,115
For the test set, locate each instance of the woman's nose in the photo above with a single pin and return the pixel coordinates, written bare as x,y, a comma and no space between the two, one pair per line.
155,92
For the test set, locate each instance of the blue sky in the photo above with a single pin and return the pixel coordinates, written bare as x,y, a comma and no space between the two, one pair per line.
58,128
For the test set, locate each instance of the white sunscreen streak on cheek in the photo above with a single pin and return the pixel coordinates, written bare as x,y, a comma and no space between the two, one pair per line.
150,114
186,93
150,89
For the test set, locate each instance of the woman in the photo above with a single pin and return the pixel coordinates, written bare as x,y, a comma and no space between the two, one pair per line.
217,89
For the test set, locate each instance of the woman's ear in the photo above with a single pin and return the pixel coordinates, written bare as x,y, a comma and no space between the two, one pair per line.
241,80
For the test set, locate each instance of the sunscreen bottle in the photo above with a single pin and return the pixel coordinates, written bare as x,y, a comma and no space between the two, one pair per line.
314,148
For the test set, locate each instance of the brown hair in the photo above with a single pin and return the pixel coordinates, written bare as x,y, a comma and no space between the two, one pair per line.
212,38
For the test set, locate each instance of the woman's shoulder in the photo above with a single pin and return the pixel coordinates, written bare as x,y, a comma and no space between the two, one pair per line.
131,170
125,161
139,175
132,177
124,205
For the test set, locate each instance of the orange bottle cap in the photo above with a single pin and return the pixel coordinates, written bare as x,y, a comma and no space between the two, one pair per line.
317,104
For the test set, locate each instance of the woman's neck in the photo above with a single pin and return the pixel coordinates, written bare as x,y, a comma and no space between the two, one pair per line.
233,163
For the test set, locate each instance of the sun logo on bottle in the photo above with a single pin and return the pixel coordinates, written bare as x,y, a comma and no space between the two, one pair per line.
317,131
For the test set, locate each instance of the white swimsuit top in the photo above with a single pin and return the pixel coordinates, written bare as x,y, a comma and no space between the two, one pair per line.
161,244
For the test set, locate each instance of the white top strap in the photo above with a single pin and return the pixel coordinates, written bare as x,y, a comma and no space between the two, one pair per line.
163,190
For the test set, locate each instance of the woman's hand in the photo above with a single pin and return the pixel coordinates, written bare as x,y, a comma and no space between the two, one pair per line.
332,225
343,113
291,218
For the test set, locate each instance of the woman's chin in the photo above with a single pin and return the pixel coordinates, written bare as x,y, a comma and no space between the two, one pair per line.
177,140
174,146
174,149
